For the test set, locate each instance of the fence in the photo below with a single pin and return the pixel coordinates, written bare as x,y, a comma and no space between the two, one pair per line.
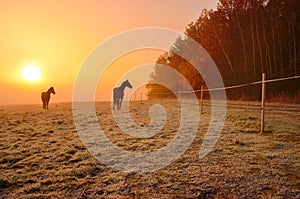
202,90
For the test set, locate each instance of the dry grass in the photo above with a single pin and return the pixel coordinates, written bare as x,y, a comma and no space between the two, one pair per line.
42,156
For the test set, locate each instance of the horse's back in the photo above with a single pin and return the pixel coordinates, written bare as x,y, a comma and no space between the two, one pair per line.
117,93
44,96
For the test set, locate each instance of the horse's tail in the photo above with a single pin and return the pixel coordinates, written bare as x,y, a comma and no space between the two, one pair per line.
114,93
42,97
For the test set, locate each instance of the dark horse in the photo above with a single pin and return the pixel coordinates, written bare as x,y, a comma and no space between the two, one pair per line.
118,94
46,97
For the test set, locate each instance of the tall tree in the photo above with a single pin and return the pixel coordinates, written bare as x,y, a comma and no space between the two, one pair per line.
244,38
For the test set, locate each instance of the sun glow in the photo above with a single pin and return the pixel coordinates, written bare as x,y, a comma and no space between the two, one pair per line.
31,73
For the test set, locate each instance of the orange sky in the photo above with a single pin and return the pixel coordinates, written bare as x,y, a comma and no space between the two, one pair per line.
58,35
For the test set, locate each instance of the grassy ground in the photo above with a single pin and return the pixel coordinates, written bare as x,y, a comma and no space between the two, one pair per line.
42,156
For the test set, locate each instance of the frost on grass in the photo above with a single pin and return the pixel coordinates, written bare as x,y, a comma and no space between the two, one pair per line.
42,156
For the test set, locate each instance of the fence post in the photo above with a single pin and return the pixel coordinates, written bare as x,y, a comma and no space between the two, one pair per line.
148,96
263,92
201,99
179,96
161,97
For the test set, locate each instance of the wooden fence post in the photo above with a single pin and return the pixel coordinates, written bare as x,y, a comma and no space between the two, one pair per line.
179,96
263,92
201,99
148,96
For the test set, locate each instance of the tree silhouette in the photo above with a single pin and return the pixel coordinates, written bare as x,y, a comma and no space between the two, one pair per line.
244,38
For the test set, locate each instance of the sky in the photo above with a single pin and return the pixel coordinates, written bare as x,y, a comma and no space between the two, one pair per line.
57,36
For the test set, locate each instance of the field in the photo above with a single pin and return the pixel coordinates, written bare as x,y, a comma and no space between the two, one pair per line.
42,156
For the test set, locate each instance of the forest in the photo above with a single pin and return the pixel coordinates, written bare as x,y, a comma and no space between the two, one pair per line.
245,38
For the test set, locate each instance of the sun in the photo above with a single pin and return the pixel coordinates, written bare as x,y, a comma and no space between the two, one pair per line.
31,73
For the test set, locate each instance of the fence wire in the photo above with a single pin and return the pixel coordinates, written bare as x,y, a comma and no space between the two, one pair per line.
221,88
243,85
262,107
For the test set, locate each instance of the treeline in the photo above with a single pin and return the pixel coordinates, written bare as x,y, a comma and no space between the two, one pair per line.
244,38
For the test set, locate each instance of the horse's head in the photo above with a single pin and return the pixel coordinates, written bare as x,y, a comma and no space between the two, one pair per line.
127,83
51,90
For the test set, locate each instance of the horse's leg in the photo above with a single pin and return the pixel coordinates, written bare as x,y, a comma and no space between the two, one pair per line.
44,104
114,98
117,102
120,103
114,103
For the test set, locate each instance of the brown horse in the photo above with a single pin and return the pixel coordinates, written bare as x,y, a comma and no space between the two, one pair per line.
46,97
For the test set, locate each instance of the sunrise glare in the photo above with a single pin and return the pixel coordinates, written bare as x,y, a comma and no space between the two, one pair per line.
57,36
31,73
